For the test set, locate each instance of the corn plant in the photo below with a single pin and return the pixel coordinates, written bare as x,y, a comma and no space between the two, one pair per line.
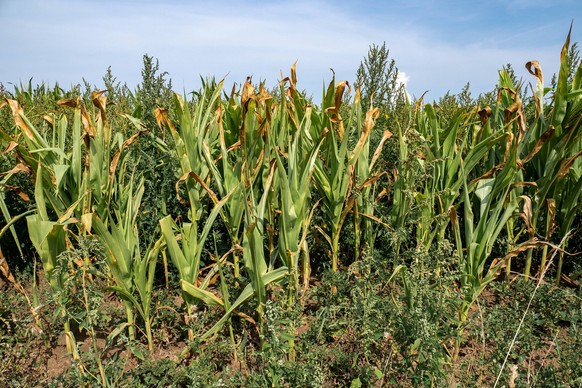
366,176
253,178
488,205
191,139
254,257
334,174
131,270
295,165
68,190
226,172
551,150
189,133
49,239
444,152
187,255
58,188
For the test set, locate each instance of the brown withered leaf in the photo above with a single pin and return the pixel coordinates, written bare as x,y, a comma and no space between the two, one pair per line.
512,93
49,120
508,145
497,265
489,173
523,184
259,163
87,222
514,252
551,216
18,191
248,91
509,111
163,119
376,219
567,164
100,101
294,75
179,100
17,113
371,180
537,70
161,115
516,109
570,281
5,270
544,138
127,143
484,114
234,146
79,262
527,215
68,102
339,93
87,125
264,94
387,135
211,193
381,195
453,216
530,244
20,167
12,145
370,119
358,96
564,52
245,317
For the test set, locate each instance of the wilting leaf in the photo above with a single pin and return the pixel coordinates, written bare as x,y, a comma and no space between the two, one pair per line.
567,164
17,113
69,102
12,145
115,159
546,136
21,193
5,270
87,221
248,91
538,94
537,70
387,135
484,114
551,215
527,214
20,167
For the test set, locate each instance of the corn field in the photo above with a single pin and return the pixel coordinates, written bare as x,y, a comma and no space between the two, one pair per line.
279,211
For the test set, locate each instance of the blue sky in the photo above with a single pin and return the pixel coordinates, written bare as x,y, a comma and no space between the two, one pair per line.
439,46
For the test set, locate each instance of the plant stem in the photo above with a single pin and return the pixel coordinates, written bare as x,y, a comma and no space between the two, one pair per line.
130,320
559,270
148,327
335,249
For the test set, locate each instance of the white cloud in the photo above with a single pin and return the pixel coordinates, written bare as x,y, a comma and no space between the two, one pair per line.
402,78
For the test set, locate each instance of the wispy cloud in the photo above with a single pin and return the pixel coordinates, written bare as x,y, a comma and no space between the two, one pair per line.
439,46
